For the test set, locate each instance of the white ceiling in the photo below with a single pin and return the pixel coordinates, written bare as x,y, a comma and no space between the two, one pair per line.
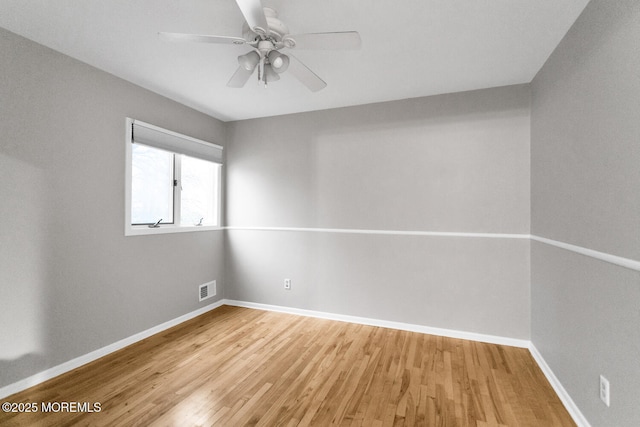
410,48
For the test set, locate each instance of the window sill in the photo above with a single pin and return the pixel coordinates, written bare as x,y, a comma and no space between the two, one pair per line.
142,230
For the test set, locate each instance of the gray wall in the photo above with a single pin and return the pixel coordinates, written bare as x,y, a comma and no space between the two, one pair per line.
585,167
70,281
451,163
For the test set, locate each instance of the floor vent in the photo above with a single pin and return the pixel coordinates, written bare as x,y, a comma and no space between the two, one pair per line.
206,290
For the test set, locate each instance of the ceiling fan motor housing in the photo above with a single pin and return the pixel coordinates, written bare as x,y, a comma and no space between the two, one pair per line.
277,30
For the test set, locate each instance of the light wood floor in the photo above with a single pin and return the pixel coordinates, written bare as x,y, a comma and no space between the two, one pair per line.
235,366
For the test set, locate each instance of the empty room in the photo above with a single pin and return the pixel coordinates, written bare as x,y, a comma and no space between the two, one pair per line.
355,213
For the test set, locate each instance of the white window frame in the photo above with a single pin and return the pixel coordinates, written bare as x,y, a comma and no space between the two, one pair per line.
139,230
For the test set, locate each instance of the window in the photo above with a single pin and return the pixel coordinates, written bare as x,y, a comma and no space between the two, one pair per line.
172,181
152,176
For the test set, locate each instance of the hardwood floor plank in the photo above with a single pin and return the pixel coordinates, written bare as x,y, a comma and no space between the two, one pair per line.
235,366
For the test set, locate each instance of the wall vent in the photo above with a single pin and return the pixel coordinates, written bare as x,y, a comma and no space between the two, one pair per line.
206,290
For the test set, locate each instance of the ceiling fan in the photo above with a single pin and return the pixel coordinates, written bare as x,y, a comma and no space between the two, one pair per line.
267,36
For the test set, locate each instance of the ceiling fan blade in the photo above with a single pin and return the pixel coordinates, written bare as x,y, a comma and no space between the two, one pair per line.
305,75
179,37
240,77
254,15
346,40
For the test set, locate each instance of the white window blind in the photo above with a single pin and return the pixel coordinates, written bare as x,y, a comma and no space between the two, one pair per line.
146,134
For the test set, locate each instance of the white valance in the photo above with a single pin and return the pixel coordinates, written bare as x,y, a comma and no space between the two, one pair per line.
144,133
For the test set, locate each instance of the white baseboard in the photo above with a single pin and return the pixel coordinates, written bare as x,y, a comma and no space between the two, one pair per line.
471,336
96,354
572,408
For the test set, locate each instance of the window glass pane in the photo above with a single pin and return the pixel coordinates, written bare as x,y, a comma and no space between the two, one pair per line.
151,185
199,192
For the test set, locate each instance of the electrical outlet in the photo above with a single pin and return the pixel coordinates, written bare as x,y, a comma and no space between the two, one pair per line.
287,284
604,390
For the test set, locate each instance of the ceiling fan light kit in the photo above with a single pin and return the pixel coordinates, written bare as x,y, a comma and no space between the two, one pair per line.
270,74
279,61
249,61
267,35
